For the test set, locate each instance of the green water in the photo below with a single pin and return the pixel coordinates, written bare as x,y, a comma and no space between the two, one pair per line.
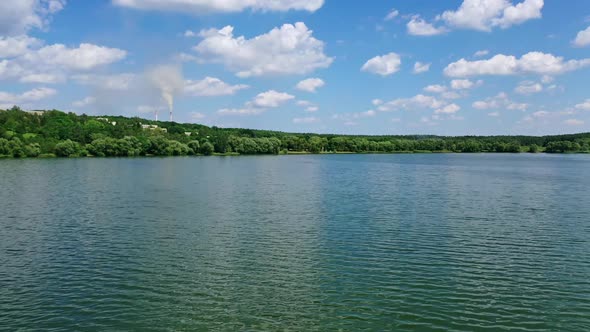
296,243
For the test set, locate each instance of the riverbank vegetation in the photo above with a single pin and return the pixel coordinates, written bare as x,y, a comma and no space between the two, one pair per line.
55,133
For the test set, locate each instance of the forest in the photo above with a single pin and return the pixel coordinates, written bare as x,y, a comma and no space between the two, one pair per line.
57,134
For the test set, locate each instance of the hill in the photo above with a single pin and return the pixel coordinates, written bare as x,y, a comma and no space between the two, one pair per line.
55,133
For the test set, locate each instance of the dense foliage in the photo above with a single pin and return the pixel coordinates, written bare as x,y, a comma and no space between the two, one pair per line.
49,133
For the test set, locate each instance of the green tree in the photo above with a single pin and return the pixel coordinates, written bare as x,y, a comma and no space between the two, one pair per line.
195,146
67,148
207,149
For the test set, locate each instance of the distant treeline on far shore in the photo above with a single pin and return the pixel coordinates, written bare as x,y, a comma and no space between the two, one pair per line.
55,133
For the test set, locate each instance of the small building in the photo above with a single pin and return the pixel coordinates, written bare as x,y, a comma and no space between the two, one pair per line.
38,113
153,127
188,133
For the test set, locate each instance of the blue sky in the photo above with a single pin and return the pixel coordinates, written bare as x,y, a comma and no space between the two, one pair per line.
358,67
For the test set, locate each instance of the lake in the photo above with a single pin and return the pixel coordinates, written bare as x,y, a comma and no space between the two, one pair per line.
424,242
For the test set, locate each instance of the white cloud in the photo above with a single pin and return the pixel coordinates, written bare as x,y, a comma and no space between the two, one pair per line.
449,109
84,57
451,95
517,106
84,102
190,33
290,49
494,114
484,15
464,84
419,27
481,53
392,14
528,87
221,6
582,38
377,102
120,82
573,122
51,64
260,104
270,99
306,120
420,67
383,65
18,17
8,99
309,107
530,63
417,102
210,87
546,79
436,88
584,106
500,101
15,46
310,84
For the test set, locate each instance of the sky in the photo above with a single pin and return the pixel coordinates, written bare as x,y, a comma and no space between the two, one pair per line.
446,67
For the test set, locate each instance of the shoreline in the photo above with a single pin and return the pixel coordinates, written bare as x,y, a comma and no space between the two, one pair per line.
297,153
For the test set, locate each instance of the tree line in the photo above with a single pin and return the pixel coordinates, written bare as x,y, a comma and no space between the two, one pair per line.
55,133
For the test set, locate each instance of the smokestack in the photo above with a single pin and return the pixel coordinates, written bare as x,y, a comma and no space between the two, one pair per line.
168,79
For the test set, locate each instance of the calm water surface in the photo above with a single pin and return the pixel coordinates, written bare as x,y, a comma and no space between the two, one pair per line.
296,243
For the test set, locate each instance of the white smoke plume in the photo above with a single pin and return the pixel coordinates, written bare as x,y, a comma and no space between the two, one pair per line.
169,80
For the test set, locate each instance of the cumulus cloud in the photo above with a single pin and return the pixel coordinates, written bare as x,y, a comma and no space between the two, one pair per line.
392,14
260,104
528,87
290,49
582,38
18,17
500,101
420,67
210,87
221,6
417,102
435,88
310,84
306,120
383,65
530,63
270,99
481,53
484,15
584,106
448,109
51,64
464,84
8,99
14,46
419,27
309,106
